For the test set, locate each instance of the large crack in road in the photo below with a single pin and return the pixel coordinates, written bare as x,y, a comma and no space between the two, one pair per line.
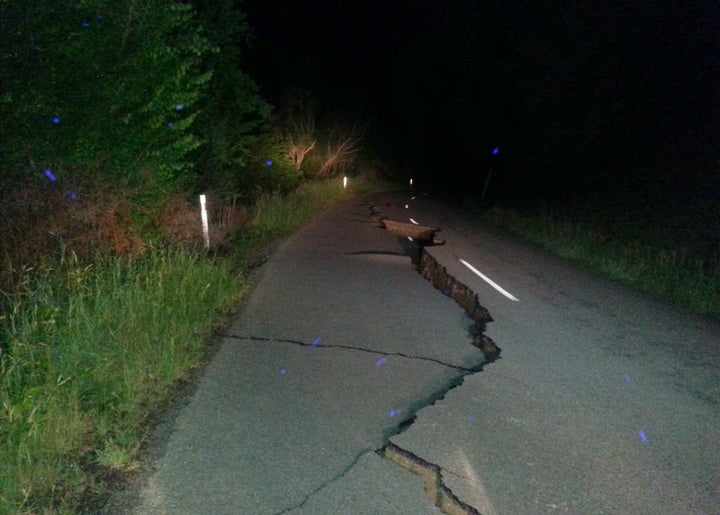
431,474
319,345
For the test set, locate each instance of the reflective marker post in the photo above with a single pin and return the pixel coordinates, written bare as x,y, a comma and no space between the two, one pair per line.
204,217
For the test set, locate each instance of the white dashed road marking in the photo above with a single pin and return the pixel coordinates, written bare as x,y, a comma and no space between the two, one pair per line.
489,281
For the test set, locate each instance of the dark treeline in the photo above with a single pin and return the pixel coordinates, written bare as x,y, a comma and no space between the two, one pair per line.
613,102
610,102
134,92
579,95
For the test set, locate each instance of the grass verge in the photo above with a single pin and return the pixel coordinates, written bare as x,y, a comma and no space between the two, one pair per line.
89,351
689,282
275,216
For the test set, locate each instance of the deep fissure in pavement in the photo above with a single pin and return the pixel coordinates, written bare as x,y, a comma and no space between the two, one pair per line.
437,492
427,266
435,489
431,474
437,274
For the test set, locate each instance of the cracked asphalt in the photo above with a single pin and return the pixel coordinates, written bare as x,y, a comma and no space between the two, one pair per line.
340,341
602,401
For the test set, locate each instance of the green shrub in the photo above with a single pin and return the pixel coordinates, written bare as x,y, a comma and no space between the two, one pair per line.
114,98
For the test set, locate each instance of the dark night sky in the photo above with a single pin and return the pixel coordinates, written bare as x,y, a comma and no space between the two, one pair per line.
582,96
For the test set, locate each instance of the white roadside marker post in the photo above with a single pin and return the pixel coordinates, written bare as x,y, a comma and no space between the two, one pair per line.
345,182
204,217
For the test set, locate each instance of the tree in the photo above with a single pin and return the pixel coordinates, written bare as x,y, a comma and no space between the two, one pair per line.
232,112
105,88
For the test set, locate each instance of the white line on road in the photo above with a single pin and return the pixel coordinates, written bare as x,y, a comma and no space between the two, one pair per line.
488,280
413,221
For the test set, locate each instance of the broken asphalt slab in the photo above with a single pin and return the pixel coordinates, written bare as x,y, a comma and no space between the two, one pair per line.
340,343
275,425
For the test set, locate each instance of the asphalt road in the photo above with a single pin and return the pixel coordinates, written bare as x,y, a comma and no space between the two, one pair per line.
602,400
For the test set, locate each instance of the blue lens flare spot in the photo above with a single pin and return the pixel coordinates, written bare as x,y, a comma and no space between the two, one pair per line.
56,120
86,24
316,342
179,107
381,361
71,195
99,17
395,412
643,438
268,163
496,151
283,371
171,124
471,418
50,175
627,379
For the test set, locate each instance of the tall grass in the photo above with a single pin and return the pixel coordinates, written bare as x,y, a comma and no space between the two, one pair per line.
669,274
276,215
281,214
87,352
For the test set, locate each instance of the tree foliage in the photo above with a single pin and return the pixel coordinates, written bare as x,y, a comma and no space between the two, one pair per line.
124,90
232,112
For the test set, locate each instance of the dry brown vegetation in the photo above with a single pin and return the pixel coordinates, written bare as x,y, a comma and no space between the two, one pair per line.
39,220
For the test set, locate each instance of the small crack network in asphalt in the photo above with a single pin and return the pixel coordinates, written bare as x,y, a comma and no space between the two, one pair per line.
330,481
350,347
